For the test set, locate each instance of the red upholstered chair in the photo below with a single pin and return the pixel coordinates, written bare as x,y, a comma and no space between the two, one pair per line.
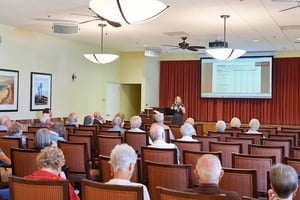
227,148
286,143
222,135
176,131
96,190
21,188
295,152
256,136
205,140
137,140
235,131
107,143
277,151
294,162
243,181
245,141
6,143
109,133
172,176
260,163
188,145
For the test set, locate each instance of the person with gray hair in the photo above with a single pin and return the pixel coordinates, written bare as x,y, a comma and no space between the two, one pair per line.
283,181
49,162
254,126
135,124
122,160
187,131
209,172
117,123
159,119
58,130
88,120
235,122
220,126
43,139
157,133
4,122
72,120
15,130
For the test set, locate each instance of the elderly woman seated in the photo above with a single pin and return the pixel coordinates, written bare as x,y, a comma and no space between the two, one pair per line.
187,130
220,126
49,161
254,126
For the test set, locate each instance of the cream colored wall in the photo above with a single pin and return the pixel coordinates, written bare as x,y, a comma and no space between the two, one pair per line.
34,52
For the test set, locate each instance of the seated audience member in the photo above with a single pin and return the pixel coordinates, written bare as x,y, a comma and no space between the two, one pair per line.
157,133
209,172
15,130
49,162
43,139
235,123
4,122
122,160
4,170
220,126
119,114
117,123
254,126
72,120
135,124
88,120
98,119
187,131
190,120
57,132
159,119
45,120
283,181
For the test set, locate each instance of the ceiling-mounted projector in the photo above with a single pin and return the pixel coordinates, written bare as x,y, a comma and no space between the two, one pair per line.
65,28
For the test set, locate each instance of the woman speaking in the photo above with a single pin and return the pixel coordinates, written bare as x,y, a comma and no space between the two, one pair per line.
179,111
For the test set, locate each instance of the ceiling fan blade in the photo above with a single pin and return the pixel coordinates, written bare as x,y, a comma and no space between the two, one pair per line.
87,21
197,47
86,15
192,48
166,45
289,8
112,23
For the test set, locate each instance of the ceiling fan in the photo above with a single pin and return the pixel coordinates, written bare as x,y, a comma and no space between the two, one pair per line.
96,17
185,45
289,8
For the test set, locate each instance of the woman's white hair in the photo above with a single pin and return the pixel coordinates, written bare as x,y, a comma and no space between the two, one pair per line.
254,124
135,121
235,122
187,130
220,126
209,168
122,156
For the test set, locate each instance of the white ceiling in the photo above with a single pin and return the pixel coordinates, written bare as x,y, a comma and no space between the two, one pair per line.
254,25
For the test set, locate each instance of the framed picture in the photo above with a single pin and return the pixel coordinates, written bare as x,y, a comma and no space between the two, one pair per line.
9,90
41,89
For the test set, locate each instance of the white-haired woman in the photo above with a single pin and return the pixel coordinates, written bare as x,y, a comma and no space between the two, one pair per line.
254,126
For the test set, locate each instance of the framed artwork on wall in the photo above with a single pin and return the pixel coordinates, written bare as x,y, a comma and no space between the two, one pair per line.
41,91
9,90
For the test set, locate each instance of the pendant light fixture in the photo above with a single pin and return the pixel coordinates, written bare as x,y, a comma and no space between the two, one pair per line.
223,52
101,58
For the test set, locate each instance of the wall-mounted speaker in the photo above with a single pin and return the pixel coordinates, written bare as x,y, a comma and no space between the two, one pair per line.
65,28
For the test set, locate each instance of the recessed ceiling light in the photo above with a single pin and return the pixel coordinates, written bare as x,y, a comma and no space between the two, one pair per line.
255,40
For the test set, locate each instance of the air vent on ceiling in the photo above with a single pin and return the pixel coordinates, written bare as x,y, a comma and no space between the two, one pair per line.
65,28
177,33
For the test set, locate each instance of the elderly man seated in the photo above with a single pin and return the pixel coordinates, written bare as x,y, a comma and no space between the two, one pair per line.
187,130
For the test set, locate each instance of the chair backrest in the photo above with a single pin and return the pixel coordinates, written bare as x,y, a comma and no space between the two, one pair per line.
107,143
188,145
290,136
86,138
286,143
109,133
29,143
243,181
167,135
191,157
206,139
137,140
93,127
263,150
173,176
105,170
235,131
97,190
227,148
245,141
23,161
6,143
291,132
294,162
265,132
176,131
70,128
76,156
169,194
21,188
29,134
262,164
222,135
295,152
257,136
168,156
